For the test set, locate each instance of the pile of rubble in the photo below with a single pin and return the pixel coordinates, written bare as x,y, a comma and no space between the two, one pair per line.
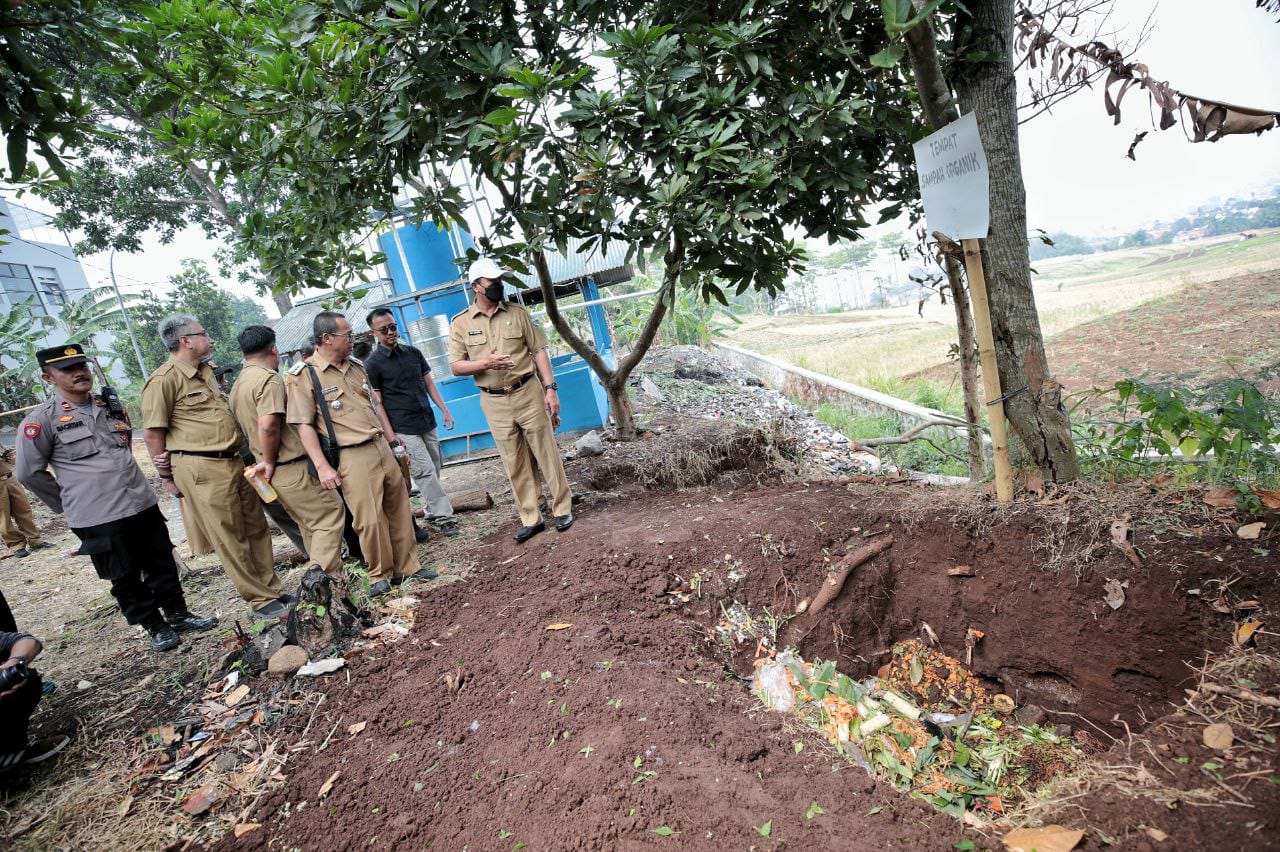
693,383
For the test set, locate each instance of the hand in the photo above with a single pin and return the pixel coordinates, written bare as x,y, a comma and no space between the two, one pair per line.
329,479
552,399
265,471
172,488
448,420
496,361
393,439
8,456
161,459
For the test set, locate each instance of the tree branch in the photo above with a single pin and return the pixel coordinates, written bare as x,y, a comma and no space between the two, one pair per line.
913,434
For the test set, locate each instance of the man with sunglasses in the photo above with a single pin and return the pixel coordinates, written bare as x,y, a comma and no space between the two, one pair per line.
194,442
402,378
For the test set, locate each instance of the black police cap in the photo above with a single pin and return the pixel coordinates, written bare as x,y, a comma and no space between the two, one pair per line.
67,355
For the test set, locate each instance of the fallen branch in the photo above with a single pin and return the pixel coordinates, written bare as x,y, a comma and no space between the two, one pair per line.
1241,694
831,587
913,434
471,501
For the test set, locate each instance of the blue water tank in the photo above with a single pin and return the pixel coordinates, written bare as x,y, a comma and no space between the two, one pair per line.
429,255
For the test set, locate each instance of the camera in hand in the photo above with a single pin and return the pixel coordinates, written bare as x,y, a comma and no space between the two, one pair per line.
13,675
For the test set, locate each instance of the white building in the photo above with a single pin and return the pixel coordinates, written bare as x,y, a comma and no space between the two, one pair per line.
46,273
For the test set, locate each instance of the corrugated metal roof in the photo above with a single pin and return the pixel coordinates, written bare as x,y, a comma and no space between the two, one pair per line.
293,329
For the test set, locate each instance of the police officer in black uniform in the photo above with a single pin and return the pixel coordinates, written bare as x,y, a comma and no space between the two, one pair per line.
105,496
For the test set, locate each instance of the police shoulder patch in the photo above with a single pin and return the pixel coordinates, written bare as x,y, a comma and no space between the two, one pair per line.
32,431
297,368
355,361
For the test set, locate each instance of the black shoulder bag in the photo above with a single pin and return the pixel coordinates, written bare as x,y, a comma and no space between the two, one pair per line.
328,442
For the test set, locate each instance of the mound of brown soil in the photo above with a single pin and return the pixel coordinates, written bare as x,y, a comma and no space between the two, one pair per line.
601,708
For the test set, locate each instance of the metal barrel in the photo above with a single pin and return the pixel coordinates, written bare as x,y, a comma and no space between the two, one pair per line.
431,336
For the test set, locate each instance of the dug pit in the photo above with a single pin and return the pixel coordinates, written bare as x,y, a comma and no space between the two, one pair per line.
601,706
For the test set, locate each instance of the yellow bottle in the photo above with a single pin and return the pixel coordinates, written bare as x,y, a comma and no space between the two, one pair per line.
264,488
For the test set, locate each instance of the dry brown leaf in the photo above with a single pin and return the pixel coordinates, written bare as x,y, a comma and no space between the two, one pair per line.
1115,593
1221,498
1249,532
125,804
1219,736
1049,838
1245,632
245,827
1248,605
1221,605
1120,539
962,571
328,785
356,728
240,693
1155,834
1002,703
164,734
1035,485
559,626
203,799
1270,499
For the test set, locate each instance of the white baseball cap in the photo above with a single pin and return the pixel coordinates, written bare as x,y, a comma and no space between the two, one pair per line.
486,267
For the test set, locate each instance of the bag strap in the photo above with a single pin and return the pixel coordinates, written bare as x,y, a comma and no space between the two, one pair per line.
324,409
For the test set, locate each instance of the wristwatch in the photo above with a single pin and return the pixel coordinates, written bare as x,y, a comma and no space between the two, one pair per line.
553,386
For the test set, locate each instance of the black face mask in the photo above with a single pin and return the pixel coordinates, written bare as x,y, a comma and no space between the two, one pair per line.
494,292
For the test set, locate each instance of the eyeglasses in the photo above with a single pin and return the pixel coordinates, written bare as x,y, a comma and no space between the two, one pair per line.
348,335
387,329
198,334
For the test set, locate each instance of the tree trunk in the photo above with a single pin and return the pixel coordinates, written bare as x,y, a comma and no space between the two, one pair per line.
940,110
968,367
615,380
1033,398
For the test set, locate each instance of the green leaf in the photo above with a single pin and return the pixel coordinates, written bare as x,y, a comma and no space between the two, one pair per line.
965,845
889,57
814,810
502,116
764,830
877,809
663,831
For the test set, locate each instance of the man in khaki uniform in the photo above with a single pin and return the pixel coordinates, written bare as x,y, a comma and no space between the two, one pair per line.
194,443
367,471
258,402
17,525
497,344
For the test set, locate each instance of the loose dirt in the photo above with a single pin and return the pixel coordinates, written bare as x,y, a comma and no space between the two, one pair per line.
629,716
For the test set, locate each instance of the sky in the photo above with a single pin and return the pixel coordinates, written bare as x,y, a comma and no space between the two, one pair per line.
1077,177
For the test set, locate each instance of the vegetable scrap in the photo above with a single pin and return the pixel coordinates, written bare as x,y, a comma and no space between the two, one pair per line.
923,723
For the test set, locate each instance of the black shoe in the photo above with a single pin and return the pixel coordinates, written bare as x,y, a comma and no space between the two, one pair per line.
379,588
563,522
184,621
275,609
163,637
525,533
421,533
21,553
420,574
448,527
41,546
286,599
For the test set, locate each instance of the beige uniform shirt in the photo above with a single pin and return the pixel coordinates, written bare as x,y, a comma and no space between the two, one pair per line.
472,335
187,401
346,393
258,392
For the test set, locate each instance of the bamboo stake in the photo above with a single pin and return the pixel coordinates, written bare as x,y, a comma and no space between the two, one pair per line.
990,371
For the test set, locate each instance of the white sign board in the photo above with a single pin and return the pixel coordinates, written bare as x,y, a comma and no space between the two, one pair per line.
954,183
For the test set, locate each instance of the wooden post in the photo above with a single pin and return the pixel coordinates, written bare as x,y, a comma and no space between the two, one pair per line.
990,371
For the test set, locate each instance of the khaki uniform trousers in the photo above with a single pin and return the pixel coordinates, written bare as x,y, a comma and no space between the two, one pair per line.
522,430
318,513
17,524
230,514
375,491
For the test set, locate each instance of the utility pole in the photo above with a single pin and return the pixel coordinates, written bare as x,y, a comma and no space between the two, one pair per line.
137,350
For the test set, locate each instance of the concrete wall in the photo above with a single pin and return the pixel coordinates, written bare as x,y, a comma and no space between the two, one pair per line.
815,388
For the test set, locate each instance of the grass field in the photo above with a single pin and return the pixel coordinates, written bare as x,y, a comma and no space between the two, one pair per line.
890,349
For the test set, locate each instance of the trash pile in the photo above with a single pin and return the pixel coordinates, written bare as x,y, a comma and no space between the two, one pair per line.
923,723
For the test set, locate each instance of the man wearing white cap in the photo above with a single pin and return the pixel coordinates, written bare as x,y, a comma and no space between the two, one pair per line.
500,347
